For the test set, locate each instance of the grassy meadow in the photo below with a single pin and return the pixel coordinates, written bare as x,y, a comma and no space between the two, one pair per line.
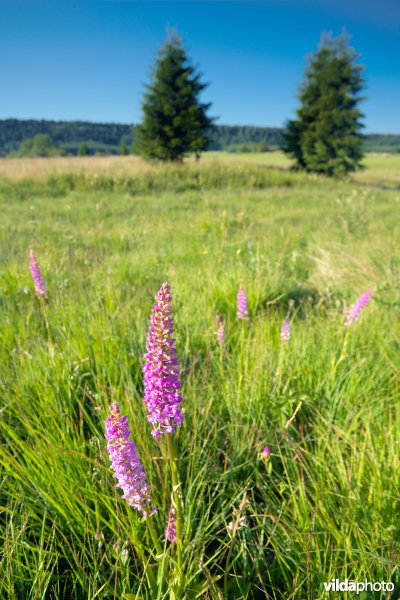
107,233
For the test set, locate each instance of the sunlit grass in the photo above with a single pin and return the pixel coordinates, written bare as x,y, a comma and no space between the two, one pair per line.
378,168
325,505
19,168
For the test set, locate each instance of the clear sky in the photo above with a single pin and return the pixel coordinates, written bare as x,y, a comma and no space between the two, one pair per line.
89,59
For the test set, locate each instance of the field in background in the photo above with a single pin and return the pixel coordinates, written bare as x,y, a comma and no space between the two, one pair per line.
380,169
326,504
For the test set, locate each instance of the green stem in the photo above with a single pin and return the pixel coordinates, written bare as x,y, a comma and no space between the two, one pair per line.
151,578
228,560
242,334
280,365
156,586
46,322
176,495
161,571
148,570
241,361
153,534
342,355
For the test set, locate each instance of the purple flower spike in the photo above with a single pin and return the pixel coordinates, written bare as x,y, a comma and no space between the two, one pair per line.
161,372
38,281
220,332
266,452
170,528
285,330
242,306
125,462
357,307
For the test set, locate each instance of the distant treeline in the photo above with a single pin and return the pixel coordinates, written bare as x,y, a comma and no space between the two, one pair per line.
68,135
107,138
379,142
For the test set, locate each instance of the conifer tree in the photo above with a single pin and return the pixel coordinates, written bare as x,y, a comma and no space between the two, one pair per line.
123,148
83,150
175,121
326,135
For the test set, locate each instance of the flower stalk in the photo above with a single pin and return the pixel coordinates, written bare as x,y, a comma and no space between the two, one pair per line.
220,332
37,277
351,317
242,305
131,478
126,464
170,527
161,371
357,307
176,503
41,292
163,398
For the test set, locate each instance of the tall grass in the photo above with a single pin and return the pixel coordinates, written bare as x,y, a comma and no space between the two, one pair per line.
323,505
159,178
378,169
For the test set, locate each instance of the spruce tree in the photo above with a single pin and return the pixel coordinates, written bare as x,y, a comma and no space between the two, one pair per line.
83,150
175,121
123,148
326,135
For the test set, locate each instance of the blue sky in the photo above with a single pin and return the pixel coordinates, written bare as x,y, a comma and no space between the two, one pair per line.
89,59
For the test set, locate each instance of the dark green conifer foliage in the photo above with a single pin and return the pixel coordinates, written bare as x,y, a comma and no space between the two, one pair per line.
123,148
326,135
175,121
83,150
